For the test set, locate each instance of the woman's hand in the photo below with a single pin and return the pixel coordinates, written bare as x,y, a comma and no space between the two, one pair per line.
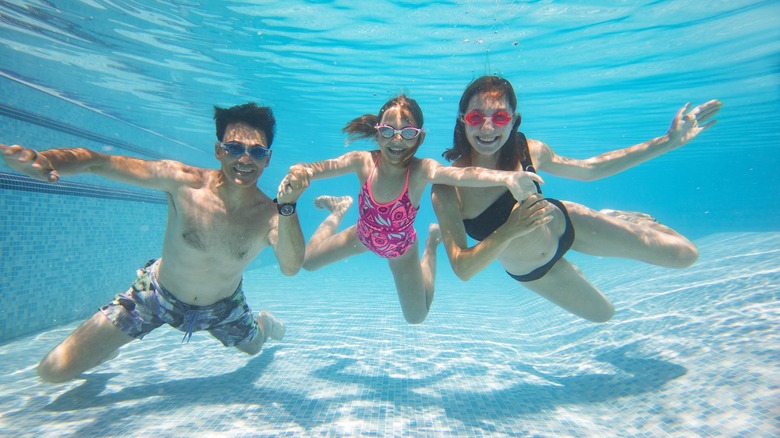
528,215
686,126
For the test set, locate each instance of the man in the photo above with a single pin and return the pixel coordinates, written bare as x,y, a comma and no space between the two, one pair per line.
218,221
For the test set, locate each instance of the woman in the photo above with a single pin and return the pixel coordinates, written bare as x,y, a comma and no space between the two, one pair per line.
529,239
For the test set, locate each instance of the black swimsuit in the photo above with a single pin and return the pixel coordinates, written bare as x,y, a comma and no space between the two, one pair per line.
498,212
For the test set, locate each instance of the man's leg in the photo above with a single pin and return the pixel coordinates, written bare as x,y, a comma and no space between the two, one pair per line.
91,344
269,327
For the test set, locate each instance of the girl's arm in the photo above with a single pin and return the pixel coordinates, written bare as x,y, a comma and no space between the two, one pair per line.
684,128
303,173
467,261
50,164
520,183
351,162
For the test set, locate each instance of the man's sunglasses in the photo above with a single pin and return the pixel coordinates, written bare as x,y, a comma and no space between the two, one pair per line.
407,132
476,118
236,148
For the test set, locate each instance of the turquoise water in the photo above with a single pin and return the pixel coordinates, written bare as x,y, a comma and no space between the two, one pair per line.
689,352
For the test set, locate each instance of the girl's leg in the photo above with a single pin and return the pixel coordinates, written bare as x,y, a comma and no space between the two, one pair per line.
326,246
428,262
410,285
629,235
566,287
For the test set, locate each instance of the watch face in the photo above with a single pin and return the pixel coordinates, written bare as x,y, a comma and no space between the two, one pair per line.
286,209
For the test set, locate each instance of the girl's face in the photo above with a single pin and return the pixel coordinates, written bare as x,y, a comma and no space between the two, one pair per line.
491,124
397,149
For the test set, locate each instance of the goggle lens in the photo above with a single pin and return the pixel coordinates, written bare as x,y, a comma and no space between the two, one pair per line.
499,118
407,132
236,148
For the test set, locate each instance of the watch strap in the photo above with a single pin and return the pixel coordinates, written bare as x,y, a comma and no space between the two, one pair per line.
285,209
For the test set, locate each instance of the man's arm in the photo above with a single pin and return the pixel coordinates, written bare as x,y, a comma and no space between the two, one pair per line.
287,237
50,164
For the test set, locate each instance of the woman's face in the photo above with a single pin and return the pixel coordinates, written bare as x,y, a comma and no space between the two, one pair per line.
397,149
487,137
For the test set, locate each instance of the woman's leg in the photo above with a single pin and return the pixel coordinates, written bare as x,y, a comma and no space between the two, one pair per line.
326,246
565,286
629,235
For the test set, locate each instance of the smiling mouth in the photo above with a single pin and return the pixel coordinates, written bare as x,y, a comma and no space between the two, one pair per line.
242,171
397,151
487,140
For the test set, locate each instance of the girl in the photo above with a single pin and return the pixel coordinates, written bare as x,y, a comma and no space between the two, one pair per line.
392,181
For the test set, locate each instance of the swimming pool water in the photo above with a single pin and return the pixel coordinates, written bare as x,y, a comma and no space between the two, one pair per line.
689,352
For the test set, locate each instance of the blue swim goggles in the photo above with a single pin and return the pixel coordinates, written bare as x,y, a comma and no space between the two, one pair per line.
236,148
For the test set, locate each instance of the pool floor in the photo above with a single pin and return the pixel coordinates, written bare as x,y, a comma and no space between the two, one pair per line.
691,352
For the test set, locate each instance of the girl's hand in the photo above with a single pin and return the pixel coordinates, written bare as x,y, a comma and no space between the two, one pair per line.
294,183
529,215
29,162
522,185
686,126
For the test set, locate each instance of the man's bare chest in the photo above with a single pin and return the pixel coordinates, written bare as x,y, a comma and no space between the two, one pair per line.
209,227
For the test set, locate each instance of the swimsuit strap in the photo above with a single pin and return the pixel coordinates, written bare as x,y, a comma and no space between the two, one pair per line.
371,193
525,158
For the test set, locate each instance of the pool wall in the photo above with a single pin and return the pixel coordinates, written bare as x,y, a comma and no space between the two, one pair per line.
68,247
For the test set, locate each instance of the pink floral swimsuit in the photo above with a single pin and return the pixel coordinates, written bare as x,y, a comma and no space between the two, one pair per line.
386,229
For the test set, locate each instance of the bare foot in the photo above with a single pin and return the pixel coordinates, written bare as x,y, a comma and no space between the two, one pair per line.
434,235
271,327
335,204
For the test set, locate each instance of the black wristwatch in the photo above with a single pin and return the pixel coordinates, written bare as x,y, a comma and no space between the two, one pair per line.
285,209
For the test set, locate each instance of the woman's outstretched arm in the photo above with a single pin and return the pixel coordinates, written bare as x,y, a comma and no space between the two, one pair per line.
685,126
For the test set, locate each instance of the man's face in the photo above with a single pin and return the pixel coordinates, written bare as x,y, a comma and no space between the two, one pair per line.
242,170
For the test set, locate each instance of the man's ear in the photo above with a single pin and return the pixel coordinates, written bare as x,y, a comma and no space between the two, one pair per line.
217,149
268,161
